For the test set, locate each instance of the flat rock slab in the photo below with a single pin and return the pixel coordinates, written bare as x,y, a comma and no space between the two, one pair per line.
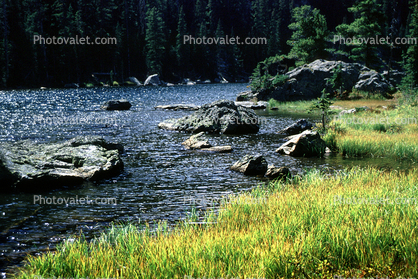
218,117
253,105
178,107
198,142
218,149
30,166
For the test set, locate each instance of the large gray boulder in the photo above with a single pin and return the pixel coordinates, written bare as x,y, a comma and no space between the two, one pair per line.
296,128
306,144
25,165
218,117
372,81
307,82
251,165
153,80
395,77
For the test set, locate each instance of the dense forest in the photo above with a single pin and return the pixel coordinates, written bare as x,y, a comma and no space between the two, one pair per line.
150,34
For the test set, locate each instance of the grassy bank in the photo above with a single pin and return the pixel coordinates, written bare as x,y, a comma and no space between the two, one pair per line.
301,107
357,223
377,132
388,128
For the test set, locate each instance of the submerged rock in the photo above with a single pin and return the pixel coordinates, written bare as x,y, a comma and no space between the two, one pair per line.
296,128
306,144
218,117
251,165
178,107
116,105
197,142
26,165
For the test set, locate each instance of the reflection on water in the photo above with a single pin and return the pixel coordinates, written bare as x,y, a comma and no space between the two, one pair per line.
161,178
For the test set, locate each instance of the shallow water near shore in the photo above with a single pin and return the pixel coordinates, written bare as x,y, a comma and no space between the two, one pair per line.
161,180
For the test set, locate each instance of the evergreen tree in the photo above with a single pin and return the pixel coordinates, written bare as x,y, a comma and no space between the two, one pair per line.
367,25
235,61
220,49
155,41
261,17
412,54
309,36
274,36
5,46
182,49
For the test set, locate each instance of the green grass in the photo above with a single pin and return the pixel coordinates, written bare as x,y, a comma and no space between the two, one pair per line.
377,133
302,107
317,226
296,106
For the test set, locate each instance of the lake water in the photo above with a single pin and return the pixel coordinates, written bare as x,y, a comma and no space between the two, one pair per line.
161,179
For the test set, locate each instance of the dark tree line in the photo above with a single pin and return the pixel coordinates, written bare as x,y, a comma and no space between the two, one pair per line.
150,34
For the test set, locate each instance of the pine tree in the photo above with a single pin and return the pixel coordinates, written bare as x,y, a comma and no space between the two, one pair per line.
220,49
367,25
182,49
155,41
5,45
309,36
412,53
235,61
274,37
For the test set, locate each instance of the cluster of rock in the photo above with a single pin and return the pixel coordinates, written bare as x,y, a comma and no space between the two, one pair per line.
305,143
222,116
257,165
307,82
216,118
154,80
25,165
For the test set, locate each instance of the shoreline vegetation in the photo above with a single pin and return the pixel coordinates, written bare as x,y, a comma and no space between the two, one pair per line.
353,223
